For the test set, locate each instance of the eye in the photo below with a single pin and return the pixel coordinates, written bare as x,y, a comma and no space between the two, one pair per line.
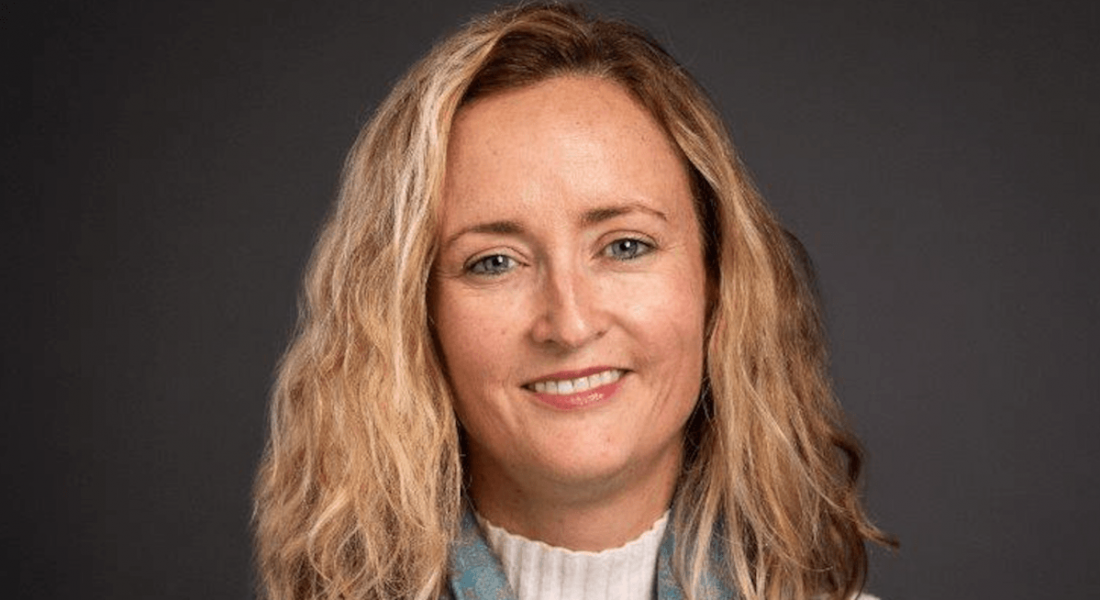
494,264
627,249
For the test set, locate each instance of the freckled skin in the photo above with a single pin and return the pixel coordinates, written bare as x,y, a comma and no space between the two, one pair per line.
540,159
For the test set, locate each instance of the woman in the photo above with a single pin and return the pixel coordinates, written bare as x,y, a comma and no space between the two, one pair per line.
553,339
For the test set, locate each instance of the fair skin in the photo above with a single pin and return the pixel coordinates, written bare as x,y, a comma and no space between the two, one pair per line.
569,300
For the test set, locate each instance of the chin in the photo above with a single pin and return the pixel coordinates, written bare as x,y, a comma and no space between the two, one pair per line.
588,470
592,468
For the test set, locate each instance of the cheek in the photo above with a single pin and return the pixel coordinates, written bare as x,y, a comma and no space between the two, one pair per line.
673,308
670,326
674,349
472,336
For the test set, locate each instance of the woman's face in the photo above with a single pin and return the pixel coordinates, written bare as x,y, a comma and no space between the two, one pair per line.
569,292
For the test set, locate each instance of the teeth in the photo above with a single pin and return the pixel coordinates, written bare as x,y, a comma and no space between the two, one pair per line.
580,384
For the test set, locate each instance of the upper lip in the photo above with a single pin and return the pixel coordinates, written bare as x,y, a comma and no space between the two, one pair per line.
567,375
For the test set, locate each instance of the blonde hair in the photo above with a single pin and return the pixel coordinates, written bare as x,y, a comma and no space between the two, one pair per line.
360,489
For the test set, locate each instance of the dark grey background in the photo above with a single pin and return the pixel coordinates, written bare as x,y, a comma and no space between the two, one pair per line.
165,166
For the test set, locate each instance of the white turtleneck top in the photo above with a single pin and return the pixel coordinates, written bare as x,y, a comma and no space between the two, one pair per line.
538,571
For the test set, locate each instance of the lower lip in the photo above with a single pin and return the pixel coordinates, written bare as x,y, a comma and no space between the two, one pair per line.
588,398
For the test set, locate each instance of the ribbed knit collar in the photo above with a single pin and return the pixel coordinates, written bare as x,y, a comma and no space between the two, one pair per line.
538,571
476,572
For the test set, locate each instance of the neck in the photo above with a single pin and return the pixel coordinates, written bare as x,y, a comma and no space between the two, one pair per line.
583,516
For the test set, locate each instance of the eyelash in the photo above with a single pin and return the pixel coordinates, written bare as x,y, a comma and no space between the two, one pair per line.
639,248
483,266
495,265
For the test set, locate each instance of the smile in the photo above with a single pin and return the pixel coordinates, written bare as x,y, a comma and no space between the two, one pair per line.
564,387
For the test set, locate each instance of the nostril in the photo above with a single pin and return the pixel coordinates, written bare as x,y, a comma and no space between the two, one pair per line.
569,315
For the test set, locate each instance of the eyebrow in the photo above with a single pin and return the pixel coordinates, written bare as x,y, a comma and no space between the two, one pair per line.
604,213
499,227
590,217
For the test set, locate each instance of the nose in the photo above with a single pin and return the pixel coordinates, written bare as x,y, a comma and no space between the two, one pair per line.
570,314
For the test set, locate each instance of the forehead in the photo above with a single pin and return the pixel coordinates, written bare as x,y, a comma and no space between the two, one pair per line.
579,137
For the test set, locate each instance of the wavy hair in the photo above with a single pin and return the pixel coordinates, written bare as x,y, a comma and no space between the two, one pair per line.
359,492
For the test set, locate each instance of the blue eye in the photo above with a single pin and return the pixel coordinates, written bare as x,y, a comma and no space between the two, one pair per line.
627,249
494,264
